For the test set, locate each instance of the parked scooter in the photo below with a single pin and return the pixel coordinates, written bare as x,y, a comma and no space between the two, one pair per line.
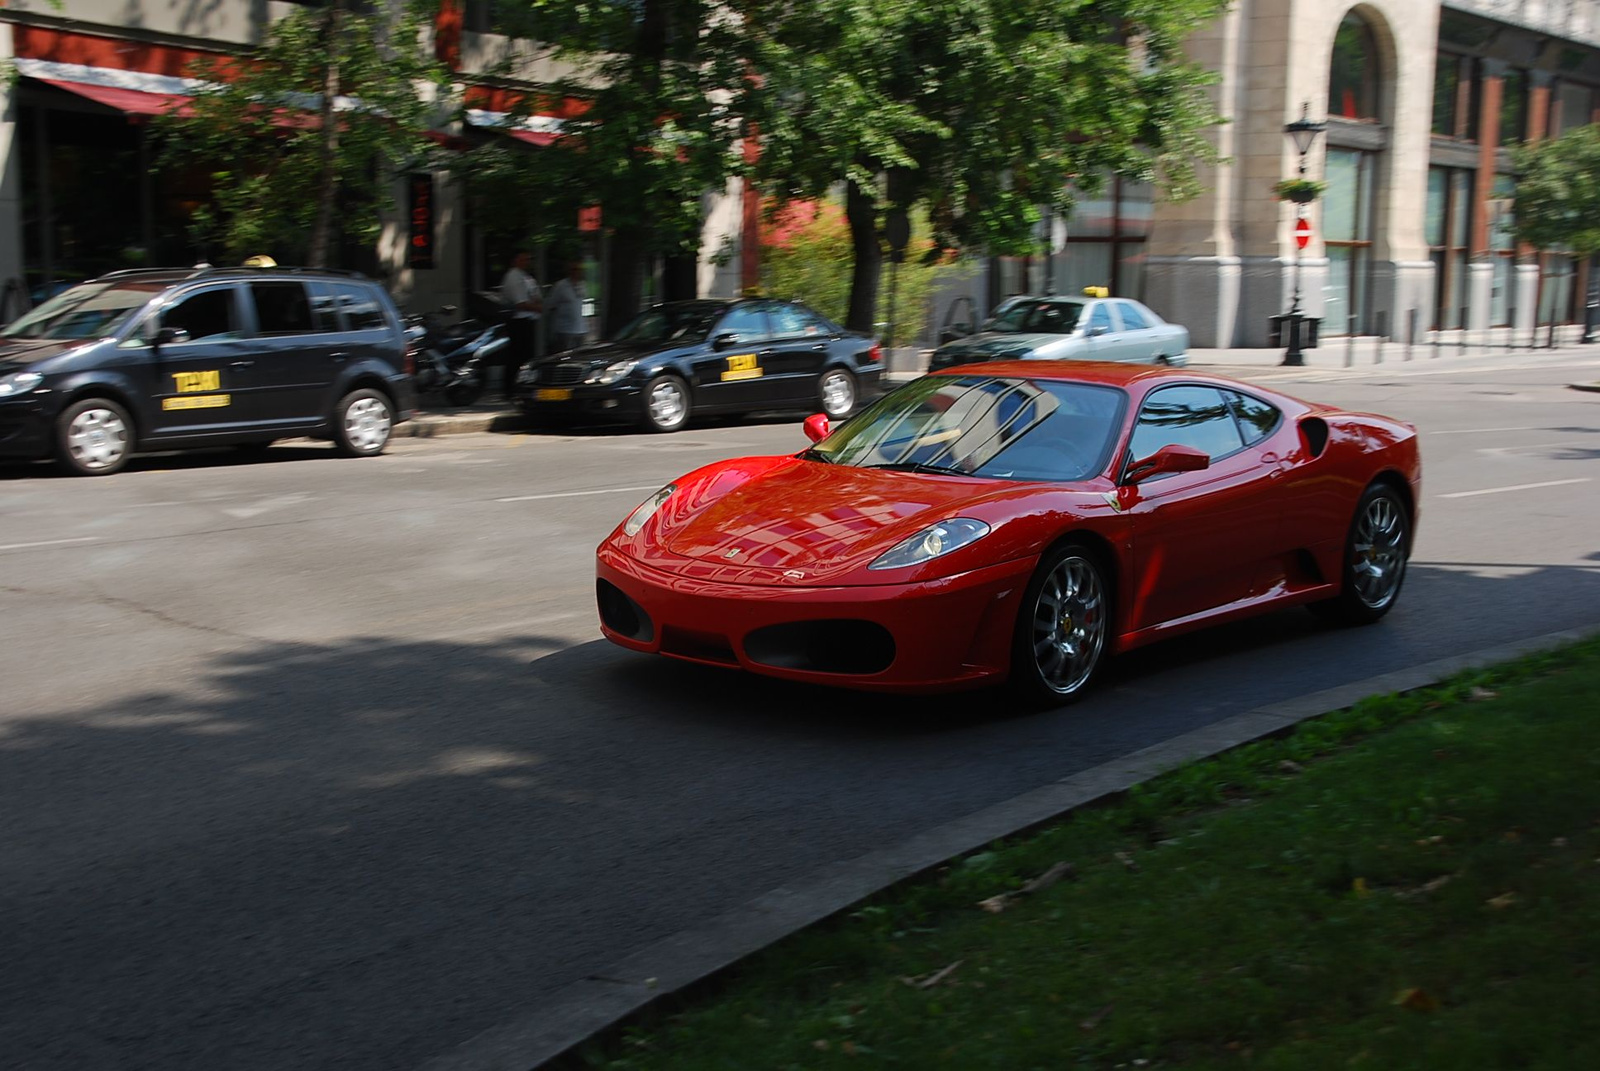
449,358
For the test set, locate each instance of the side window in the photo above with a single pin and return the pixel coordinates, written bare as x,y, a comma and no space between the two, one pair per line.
1186,416
1099,317
210,315
1132,318
795,321
324,308
361,308
749,322
1257,419
281,308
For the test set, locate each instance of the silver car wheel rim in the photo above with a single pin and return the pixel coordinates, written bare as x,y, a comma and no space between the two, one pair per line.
837,394
1069,625
97,438
1378,553
366,423
666,404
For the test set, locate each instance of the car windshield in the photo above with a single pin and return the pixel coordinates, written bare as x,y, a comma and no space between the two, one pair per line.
1051,317
989,426
671,323
89,310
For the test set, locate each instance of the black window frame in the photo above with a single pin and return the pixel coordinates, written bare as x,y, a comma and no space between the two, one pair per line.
1128,457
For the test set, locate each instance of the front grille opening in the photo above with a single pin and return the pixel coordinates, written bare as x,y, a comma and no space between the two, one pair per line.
831,646
699,646
621,614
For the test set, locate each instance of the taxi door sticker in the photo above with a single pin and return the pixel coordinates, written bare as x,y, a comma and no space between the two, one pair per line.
197,383
742,366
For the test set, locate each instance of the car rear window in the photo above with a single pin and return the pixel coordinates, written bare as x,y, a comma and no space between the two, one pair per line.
360,305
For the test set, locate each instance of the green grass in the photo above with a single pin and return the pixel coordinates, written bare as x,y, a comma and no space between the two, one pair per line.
1410,883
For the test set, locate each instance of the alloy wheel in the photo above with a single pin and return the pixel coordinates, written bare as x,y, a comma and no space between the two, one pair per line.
1069,625
838,393
667,404
1378,552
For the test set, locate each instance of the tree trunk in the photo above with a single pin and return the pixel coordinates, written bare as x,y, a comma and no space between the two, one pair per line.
622,279
860,210
328,184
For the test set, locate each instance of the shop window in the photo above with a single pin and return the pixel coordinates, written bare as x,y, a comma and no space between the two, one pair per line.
1448,226
1354,71
1513,107
1449,118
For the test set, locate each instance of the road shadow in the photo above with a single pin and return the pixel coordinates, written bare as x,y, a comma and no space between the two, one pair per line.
180,460
360,854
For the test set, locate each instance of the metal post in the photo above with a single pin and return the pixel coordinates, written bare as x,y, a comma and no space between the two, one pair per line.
1293,355
1463,331
1383,336
1411,331
1350,340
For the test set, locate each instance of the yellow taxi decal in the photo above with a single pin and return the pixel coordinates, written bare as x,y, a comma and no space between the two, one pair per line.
196,383
742,366
201,401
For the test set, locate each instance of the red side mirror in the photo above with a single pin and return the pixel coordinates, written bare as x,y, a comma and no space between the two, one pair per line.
1173,458
817,427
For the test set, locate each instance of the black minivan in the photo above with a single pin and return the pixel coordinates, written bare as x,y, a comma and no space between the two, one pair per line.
174,358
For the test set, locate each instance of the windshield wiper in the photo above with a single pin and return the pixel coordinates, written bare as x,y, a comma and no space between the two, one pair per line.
811,453
920,466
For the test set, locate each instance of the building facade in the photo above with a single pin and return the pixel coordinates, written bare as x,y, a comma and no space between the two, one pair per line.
80,194
1424,103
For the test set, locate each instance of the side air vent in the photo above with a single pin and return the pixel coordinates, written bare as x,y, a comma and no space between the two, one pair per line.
1314,430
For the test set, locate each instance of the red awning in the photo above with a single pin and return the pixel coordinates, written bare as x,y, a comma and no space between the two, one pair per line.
534,137
127,101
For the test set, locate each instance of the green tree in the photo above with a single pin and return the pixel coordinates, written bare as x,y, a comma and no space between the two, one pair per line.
1557,201
980,110
304,135
808,258
658,78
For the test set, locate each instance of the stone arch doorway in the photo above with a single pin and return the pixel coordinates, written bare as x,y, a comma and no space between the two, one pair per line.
1361,71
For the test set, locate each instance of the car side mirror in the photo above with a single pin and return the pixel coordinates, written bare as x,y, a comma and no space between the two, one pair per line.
170,336
1097,330
725,340
1171,458
817,427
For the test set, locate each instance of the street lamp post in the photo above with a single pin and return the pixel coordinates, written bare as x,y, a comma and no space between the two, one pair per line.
1303,131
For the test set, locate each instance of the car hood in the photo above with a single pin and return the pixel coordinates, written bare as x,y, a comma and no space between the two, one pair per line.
989,345
789,521
18,353
597,355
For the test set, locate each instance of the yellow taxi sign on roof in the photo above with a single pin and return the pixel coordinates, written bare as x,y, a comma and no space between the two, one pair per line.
1097,291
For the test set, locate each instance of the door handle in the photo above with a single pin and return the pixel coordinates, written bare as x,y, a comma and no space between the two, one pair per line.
337,356
241,364
768,352
819,346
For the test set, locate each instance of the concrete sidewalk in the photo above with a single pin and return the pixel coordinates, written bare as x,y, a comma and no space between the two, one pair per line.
1335,356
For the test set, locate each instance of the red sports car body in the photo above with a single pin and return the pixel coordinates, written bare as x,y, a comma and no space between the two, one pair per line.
1016,520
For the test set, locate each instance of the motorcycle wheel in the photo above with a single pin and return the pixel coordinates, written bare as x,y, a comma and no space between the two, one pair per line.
463,393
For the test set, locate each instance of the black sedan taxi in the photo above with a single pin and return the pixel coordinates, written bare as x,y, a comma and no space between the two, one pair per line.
695,357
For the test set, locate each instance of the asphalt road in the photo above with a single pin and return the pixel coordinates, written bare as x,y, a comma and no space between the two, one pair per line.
311,763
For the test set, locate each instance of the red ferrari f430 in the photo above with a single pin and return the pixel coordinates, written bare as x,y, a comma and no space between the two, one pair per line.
1020,522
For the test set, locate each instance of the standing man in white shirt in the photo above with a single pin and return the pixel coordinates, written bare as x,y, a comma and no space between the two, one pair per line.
520,292
567,327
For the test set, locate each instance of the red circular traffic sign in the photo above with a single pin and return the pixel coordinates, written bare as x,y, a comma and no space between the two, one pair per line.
1302,232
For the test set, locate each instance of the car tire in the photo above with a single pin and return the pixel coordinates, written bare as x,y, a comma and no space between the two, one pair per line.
94,437
362,423
666,404
1376,550
1063,627
836,392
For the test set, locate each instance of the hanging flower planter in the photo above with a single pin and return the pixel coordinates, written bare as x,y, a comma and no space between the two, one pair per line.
1299,190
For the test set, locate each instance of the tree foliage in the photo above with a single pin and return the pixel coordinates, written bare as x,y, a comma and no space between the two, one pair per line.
980,110
1558,193
304,135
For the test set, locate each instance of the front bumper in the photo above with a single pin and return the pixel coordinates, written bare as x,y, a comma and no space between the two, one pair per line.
613,401
25,426
946,634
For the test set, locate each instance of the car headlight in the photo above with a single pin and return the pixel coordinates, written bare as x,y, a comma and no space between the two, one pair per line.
528,375
930,543
19,383
613,372
647,509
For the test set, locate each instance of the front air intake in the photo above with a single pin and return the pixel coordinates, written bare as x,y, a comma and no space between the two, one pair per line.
858,648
